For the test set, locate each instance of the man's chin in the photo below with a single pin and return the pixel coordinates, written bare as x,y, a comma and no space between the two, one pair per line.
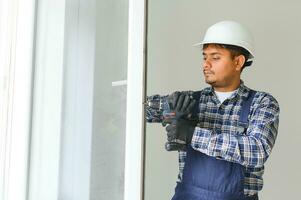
210,82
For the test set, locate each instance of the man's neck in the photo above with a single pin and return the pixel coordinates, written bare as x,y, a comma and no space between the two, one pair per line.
229,88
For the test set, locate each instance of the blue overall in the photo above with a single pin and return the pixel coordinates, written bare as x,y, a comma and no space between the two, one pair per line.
209,178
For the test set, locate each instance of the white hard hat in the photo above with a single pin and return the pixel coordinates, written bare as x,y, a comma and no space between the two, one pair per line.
231,33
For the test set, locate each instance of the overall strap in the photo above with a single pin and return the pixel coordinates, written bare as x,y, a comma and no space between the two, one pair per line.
245,107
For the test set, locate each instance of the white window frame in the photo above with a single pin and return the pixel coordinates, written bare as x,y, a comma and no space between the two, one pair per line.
57,131
16,53
134,153
64,78
47,101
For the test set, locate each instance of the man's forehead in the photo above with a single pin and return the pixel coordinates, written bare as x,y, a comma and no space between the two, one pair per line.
213,50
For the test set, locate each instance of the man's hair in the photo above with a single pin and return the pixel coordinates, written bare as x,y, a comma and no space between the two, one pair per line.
234,50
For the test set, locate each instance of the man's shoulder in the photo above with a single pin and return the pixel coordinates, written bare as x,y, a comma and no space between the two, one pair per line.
205,90
262,97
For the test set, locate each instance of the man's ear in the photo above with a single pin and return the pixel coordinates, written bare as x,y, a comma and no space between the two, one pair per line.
239,61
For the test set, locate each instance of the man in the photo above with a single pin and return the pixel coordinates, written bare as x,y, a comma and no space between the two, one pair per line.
236,129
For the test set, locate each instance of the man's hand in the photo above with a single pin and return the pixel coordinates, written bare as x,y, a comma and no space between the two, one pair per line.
174,146
182,104
180,131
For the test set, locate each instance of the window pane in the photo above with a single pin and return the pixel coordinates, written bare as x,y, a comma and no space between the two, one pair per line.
108,140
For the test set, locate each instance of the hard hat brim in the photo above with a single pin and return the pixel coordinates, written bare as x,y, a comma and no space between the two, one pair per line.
207,42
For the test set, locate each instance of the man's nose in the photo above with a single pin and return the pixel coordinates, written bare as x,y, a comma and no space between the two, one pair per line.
206,64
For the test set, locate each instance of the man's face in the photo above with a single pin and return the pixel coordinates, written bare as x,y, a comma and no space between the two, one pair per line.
219,68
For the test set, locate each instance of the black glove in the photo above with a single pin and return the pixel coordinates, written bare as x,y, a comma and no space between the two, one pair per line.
174,146
181,104
180,131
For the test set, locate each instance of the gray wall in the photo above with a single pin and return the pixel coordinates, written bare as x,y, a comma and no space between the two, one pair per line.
108,140
173,64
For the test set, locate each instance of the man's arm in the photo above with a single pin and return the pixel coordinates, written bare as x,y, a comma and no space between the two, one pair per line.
251,149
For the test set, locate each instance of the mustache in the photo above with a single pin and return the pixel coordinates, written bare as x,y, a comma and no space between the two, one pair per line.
208,71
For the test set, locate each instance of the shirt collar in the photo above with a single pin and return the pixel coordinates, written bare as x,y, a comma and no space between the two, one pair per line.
243,91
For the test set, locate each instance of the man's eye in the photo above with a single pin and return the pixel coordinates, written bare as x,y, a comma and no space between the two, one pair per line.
216,58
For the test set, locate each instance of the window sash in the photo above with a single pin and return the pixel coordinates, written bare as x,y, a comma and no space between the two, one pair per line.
134,153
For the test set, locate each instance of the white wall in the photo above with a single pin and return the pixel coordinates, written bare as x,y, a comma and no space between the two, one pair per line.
173,64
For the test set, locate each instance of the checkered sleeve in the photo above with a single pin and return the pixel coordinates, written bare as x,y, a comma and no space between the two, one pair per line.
250,148
182,156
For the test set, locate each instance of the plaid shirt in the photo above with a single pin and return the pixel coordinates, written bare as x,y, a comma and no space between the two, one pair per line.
219,133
